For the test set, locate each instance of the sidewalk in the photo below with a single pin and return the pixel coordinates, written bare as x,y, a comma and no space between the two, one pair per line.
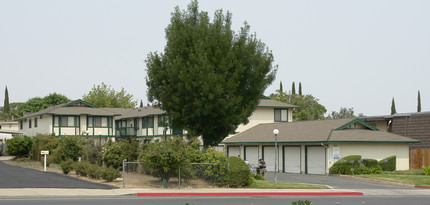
25,192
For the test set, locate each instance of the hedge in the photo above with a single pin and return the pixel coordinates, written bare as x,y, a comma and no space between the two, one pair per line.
388,164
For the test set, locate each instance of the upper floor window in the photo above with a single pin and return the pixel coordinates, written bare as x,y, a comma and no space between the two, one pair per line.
147,122
65,121
281,115
98,122
29,123
35,122
21,125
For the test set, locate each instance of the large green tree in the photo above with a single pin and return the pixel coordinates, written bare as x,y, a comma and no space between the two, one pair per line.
37,103
105,96
344,113
6,106
209,78
309,109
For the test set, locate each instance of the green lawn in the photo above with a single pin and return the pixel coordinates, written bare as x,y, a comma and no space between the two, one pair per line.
421,180
260,184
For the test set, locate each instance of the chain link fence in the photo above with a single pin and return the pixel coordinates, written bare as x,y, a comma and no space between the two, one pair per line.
189,175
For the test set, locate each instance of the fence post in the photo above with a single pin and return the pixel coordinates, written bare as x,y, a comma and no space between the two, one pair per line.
179,177
228,175
123,173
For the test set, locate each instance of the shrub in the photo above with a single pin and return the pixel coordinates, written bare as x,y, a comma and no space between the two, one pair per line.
95,171
70,147
217,172
82,168
347,165
369,170
370,162
44,142
19,146
110,174
93,153
67,166
112,153
426,170
388,164
239,173
259,177
162,159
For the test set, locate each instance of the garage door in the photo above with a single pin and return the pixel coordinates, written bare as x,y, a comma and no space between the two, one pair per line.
292,159
251,155
316,160
233,151
269,158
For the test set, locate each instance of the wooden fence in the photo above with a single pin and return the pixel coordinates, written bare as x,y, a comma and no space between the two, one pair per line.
419,158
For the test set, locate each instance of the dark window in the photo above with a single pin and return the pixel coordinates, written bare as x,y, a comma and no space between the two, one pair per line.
136,123
98,122
29,123
144,123
21,125
35,122
150,122
281,115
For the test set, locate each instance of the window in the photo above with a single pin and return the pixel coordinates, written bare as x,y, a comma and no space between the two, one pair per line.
29,123
35,122
66,121
97,122
147,122
281,115
136,123
21,125
41,116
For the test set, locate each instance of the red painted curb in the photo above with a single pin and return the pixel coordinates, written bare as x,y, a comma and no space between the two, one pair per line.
256,194
422,187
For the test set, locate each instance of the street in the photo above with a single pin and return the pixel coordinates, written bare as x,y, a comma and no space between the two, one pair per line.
273,200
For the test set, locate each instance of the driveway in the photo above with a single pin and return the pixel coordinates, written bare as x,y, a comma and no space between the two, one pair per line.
18,177
335,182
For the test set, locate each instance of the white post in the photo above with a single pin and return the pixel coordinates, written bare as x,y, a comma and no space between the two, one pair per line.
44,163
44,153
276,132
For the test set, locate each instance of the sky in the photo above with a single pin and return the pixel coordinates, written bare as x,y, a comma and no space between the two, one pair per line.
357,54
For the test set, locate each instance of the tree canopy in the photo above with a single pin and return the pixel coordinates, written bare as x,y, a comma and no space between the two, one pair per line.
105,96
309,109
37,103
209,78
343,113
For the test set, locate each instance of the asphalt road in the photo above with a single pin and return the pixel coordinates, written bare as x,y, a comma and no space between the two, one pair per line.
18,177
272,200
335,182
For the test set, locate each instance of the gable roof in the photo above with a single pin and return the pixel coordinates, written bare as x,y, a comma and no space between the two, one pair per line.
275,104
316,131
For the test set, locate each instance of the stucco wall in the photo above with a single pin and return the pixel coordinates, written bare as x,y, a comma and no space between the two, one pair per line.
44,126
376,151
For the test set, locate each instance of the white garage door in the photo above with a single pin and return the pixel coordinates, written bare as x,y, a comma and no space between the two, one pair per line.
269,158
233,151
316,160
292,159
251,155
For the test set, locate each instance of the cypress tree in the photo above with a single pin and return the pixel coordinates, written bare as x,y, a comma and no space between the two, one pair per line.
393,107
281,89
300,88
419,102
293,89
6,107
141,103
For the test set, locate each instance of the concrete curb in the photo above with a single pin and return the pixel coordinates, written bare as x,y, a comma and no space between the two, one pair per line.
252,194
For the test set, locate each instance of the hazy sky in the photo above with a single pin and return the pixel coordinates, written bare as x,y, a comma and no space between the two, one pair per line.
356,54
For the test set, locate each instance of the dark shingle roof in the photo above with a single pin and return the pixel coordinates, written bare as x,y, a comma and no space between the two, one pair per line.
275,103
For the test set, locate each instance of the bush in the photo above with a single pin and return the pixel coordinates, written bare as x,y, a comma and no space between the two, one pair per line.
95,171
369,170
427,170
19,146
67,166
259,177
239,173
347,165
44,142
82,168
70,147
110,174
112,154
370,162
388,164
93,153
162,159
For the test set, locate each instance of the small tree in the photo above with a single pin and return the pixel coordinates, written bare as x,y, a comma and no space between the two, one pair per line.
293,88
71,147
19,146
419,102
300,88
393,107
6,106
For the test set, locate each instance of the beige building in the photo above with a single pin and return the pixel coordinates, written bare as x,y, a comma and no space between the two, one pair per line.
312,147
